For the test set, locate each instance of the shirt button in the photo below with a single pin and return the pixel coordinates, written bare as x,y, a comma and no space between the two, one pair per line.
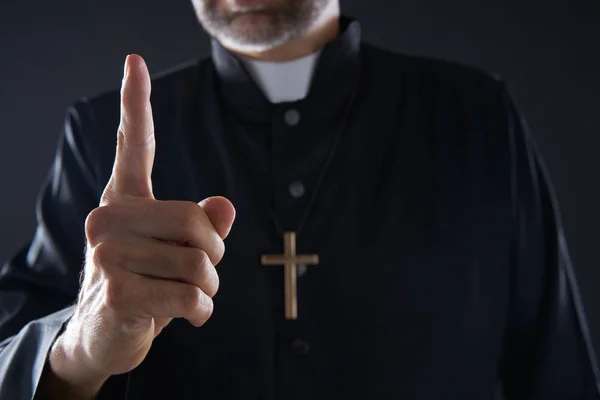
300,346
297,189
292,117
301,269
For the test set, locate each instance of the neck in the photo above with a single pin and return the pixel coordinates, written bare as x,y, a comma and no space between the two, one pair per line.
325,29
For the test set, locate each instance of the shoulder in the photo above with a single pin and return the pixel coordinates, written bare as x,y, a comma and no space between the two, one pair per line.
166,85
93,121
430,76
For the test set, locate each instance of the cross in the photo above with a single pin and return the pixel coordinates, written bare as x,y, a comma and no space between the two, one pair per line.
289,260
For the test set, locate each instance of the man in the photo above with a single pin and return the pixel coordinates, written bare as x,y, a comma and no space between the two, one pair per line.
395,234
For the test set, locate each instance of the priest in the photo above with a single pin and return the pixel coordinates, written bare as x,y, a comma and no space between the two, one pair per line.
299,216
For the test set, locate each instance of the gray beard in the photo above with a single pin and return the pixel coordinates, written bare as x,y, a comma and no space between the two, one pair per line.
283,24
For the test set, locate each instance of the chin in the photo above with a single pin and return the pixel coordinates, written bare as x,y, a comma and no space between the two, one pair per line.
253,31
256,25
237,42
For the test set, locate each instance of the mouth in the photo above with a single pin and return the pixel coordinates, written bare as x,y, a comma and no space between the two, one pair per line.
249,6
239,9
249,12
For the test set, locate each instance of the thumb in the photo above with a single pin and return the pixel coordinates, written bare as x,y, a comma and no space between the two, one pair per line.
221,213
132,170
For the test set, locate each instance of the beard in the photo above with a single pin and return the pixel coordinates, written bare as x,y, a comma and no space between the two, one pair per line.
257,28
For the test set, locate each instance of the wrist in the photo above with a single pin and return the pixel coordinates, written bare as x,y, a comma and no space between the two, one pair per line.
70,372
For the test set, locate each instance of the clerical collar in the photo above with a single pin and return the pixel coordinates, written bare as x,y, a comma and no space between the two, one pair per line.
336,70
283,81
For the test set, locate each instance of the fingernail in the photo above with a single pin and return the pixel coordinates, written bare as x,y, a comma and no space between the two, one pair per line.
126,66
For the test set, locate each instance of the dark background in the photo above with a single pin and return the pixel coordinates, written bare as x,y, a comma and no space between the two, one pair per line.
53,52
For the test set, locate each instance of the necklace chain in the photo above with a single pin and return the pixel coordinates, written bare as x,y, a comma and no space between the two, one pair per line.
332,152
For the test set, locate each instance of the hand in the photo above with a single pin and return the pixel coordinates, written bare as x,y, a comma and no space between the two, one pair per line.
147,261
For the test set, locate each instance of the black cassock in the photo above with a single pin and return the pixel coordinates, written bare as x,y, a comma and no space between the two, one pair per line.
443,267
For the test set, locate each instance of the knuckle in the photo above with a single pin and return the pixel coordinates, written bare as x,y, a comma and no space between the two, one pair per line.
95,223
158,297
206,307
191,210
202,314
196,304
190,299
104,255
162,261
205,273
219,249
197,263
190,219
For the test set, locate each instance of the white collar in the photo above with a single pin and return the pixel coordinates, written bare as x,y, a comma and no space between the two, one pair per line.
283,81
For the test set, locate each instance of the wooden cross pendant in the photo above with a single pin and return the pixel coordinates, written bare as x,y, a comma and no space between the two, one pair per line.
290,260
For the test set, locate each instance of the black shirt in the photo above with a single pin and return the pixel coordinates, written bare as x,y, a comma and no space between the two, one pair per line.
443,267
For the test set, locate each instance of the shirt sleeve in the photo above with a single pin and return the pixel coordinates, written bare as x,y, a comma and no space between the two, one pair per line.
39,284
548,354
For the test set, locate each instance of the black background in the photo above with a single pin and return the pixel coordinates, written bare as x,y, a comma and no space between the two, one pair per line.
54,52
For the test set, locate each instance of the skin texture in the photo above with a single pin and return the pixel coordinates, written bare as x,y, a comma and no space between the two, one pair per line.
270,30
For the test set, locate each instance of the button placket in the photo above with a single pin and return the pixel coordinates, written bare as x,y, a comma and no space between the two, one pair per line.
291,117
301,270
297,189
301,346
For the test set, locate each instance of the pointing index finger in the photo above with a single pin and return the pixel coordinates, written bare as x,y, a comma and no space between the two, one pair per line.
134,157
